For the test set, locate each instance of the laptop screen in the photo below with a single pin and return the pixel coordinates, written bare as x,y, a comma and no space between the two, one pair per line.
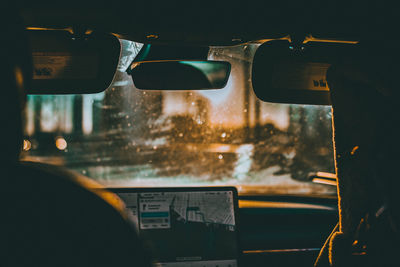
186,226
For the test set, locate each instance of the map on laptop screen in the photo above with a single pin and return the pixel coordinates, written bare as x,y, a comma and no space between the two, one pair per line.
187,227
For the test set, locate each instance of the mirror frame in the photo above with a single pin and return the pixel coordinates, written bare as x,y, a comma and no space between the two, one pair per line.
176,86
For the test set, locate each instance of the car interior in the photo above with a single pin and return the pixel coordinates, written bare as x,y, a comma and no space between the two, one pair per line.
199,134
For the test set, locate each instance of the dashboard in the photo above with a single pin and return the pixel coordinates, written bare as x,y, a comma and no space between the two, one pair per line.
283,230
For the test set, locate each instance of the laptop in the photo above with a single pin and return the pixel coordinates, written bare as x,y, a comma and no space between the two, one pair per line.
193,226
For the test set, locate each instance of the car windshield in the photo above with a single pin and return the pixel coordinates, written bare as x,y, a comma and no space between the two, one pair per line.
127,137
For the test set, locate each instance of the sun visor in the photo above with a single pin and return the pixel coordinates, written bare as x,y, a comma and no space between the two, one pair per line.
283,73
68,64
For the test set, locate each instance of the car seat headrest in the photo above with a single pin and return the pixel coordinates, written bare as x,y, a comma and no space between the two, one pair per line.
15,75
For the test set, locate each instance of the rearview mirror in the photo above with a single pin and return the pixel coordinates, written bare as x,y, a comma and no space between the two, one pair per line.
282,73
67,64
180,74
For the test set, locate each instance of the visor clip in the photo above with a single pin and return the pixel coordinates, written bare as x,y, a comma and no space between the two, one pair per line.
297,42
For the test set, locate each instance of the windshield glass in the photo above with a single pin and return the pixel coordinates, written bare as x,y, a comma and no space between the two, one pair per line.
130,137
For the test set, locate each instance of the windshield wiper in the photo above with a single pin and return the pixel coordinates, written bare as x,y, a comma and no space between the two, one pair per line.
323,178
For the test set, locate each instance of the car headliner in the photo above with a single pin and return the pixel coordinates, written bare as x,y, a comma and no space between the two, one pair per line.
216,22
